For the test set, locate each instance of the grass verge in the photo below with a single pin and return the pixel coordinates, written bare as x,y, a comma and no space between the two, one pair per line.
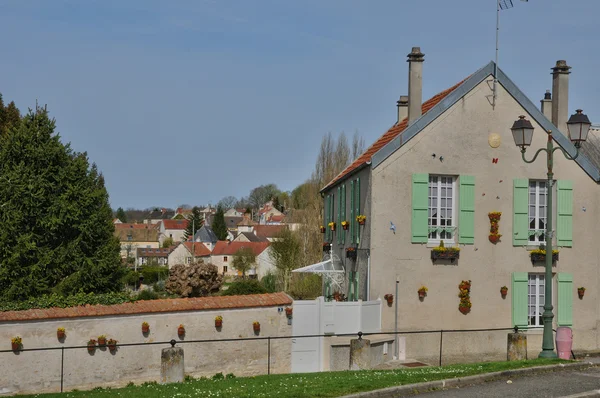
307,385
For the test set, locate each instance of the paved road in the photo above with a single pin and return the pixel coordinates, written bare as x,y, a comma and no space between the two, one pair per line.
556,384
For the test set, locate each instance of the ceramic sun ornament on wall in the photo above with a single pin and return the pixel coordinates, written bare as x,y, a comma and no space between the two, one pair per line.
494,140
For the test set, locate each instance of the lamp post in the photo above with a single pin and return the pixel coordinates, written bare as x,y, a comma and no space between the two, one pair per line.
522,130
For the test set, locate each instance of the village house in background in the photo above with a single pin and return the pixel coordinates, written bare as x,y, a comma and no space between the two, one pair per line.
157,215
426,192
224,252
207,237
173,229
134,236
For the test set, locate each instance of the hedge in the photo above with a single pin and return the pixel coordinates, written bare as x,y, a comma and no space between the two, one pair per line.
55,300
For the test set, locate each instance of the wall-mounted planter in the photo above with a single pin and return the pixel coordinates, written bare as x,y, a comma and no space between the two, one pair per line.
181,331
60,333
145,327
101,340
345,225
322,229
351,253
389,298
326,247
218,321
540,256
91,345
504,291
289,311
112,345
581,292
331,226
446,254
256,327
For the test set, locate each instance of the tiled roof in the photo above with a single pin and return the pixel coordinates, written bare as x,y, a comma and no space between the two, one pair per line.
276,218
251,237
246,222
206,234
392,133
268,231
199,248
136,234
232,221
136,226
175,224
152,306
224,248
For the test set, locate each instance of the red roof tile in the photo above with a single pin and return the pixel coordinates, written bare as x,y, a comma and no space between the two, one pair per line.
175,224
150,306
268,231
136,226
392,133
199,248
224,248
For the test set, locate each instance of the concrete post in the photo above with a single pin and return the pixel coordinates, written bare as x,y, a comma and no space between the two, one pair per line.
360,354
402,108
171,365
546,107
516,347
415,84
560,95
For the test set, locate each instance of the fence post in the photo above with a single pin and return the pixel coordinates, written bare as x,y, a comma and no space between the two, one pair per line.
269,355
441,344
62,367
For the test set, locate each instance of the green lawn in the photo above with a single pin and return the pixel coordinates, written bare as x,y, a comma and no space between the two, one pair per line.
325,384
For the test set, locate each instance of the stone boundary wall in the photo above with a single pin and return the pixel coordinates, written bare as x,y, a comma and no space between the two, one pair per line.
39,371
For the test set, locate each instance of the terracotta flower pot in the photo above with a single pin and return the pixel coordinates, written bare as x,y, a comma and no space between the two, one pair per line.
322,230
332,227
390,300
345,227
288,312
101,342
504,292
112,347
494,238
362,222
218,323
181,332
465,286
256,328
422,293
60,334
580,293
15,346
464,310
145,328
91,348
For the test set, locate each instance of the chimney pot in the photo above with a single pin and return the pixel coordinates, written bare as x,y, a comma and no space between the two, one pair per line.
415,84
402,104
547,105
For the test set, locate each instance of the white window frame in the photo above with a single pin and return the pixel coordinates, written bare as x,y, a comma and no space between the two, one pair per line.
436,240
537,238
537,282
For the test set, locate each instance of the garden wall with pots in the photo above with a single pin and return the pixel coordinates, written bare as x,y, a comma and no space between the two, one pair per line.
39,371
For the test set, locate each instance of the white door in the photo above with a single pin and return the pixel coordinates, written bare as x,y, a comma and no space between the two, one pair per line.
306,353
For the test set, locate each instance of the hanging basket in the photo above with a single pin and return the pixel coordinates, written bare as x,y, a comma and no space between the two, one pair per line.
464,310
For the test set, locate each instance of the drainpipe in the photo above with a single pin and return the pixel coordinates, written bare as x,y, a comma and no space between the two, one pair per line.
368,275
396,348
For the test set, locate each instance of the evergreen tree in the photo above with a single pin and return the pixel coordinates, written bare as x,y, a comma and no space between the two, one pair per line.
57,233
195,222
121,214
218,225
9,116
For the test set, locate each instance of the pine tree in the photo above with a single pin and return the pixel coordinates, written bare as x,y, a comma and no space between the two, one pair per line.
57,232
195,222
218,225
121,214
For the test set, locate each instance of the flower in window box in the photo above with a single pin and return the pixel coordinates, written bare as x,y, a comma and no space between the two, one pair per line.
361,219
539,255
445,253
345,225
331,226
351,253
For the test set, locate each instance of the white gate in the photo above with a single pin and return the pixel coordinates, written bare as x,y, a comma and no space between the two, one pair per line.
317,317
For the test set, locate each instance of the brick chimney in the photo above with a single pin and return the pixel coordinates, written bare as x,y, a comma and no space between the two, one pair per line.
415,84
546,107
402,104
560,95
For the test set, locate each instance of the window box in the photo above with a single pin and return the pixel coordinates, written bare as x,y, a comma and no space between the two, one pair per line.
445,253
351,253
540,256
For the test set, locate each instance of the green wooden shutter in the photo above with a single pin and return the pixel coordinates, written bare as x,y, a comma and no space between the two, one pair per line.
352,211
520,211
420,208
519,299
332,213
357,204
565,299
339,214
564,222
343,231
466,220
326,218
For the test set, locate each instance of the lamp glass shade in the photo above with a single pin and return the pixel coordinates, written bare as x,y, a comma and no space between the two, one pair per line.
522,132
578,126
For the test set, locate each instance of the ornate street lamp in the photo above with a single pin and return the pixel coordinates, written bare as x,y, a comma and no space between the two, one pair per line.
522,130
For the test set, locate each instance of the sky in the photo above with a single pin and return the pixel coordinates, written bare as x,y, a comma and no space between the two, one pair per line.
185,102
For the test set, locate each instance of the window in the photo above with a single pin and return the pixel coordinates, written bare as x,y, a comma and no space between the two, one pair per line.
535,293
224,259
130,237
189,260
538,194
441,220
224,269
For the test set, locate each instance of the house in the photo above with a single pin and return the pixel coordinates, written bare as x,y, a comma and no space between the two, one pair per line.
249,237
206,236
275,219
153,256
157,215
224,252
208,213
235,212
433,178
232,222
182,253
267,212
269,232
173,229
134,236
246,225
117,221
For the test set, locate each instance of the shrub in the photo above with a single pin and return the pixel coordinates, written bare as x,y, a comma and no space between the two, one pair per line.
131,278
243,287
194,280
58,301
147,295
269,282
154,274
